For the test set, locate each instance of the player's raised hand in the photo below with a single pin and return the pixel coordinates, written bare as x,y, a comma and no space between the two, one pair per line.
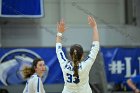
92,22
61,26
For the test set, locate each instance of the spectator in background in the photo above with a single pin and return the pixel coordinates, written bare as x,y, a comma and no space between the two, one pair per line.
132,83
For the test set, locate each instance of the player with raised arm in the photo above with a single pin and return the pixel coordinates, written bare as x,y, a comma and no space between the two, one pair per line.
76,72
34,83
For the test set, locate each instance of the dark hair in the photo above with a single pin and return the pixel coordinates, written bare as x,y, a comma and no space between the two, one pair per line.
76,52
4,91
28,71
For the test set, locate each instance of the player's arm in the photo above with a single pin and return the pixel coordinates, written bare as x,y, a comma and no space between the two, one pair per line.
95,43
132,86
60,54
60,31
93,25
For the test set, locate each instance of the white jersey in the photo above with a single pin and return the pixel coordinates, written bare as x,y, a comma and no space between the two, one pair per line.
77,84
34,85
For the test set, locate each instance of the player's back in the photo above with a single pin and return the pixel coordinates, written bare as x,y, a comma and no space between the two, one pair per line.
78,84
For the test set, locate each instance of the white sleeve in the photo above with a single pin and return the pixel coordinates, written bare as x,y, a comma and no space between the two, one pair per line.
26,88
37,85
92,55
60,55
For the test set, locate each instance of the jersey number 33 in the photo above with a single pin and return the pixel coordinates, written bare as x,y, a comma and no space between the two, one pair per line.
72,79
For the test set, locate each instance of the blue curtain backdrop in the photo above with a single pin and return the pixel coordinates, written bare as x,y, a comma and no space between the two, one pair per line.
121,64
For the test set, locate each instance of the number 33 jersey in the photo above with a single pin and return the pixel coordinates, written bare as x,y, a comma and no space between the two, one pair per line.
78,84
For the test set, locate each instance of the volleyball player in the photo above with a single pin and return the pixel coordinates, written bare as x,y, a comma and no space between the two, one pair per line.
34,83
76,72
